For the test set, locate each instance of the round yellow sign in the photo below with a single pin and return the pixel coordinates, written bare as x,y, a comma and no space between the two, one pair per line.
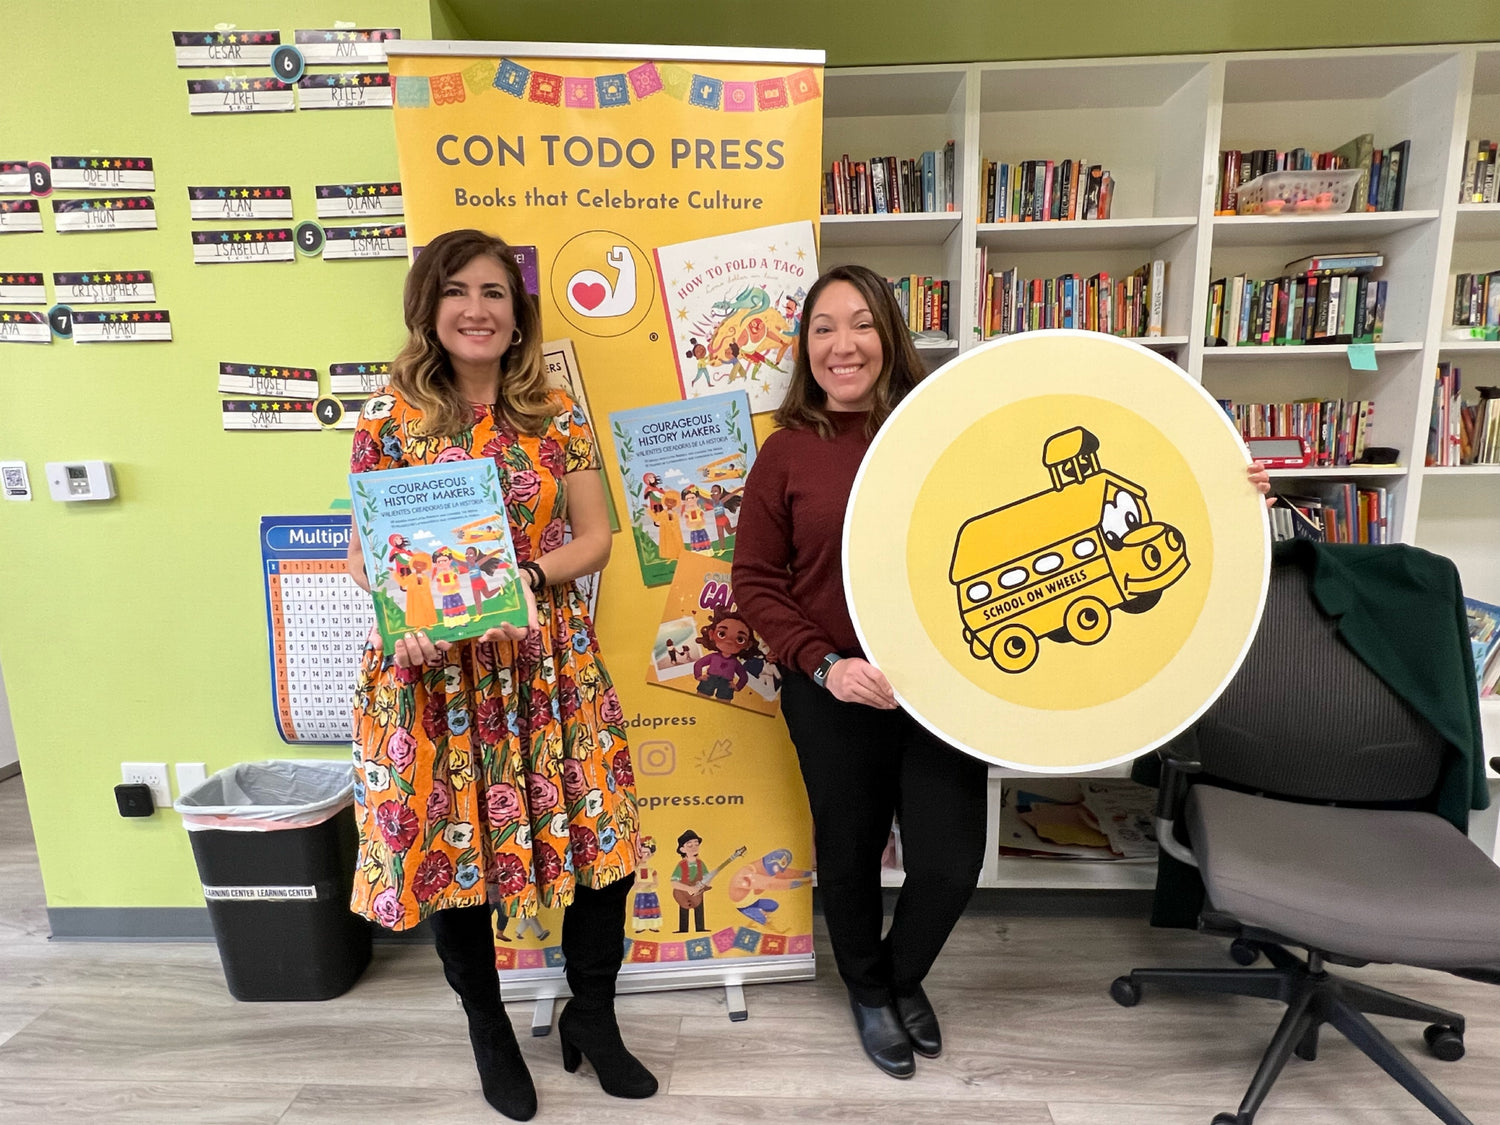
1053,554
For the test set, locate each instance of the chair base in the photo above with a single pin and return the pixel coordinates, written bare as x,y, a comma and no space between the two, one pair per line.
1313,998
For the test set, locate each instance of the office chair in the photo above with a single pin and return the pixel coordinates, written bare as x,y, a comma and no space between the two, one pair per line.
1305,822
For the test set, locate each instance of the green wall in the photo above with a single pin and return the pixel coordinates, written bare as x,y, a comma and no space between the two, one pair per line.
883,32
134,630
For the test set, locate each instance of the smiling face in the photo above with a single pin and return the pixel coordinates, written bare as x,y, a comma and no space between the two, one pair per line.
731,637
475,317
843,348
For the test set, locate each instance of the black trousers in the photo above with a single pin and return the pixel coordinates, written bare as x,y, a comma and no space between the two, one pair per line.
861,766
593,944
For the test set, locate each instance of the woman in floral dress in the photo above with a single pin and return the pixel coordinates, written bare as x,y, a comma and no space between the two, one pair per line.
494,773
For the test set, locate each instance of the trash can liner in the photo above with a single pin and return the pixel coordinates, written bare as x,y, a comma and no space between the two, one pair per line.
268,796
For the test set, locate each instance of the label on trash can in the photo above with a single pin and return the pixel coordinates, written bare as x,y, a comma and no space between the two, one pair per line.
259,894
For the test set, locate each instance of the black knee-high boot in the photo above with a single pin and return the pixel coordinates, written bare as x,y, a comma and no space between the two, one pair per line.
466,945
593,942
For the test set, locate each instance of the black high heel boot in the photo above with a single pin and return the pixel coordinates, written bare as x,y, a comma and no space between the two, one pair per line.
592,942
466,945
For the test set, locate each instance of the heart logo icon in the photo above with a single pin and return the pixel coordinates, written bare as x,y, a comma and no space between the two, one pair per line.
590,296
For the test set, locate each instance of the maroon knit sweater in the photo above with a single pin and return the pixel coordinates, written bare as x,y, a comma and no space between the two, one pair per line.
788,574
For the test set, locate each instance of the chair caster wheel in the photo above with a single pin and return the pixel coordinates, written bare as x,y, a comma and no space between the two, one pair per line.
1125,992
1243,952
1444,1042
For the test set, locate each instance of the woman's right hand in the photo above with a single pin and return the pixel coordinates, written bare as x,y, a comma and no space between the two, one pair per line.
853,680
416,649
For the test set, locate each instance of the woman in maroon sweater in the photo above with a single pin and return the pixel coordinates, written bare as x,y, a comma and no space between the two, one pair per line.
862,757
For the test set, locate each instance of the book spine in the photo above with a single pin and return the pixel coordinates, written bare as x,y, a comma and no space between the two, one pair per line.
1158,295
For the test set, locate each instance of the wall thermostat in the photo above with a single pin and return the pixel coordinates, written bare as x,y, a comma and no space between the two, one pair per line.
80,480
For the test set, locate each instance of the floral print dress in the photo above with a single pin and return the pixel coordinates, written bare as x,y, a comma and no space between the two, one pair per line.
503,774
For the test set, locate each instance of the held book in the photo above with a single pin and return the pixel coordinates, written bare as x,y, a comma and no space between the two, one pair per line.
438,551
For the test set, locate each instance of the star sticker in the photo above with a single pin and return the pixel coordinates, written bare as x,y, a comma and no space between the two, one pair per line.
117,164
348,190
232,39
160,316
260,236
208,39
224,237
219,84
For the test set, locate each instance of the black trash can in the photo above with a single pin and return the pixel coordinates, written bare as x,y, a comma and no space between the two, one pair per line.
276,846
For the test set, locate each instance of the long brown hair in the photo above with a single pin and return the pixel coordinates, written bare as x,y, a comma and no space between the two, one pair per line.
901,369
421,372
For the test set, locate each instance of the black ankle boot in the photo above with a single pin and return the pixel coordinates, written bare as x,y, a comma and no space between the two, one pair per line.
884,1039
594,1034
921,1023
466,946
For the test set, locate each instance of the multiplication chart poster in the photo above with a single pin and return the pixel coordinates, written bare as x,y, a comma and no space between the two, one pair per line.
317,620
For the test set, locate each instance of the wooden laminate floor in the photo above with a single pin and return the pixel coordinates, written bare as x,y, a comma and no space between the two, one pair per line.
147,1033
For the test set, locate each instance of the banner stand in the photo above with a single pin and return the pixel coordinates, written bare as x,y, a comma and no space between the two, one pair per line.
664,203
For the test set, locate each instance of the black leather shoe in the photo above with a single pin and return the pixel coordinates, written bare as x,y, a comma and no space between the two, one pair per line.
921,1024
884,1039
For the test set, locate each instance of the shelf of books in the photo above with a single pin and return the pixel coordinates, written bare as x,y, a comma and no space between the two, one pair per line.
1076,183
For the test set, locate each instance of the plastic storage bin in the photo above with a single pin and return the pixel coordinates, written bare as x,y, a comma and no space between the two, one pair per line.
276,846
1326,192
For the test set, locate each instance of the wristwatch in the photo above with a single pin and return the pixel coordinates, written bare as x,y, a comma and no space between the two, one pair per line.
820,673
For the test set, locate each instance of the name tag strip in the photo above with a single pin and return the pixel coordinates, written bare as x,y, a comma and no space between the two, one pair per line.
364,242
103,173
322,46
20,216
269,414
240,95
356,201
15,178
272,202
140,326
125,212
24,328
349,420
345,91
234,247
225,48
111,287
358,378
22,289
273,382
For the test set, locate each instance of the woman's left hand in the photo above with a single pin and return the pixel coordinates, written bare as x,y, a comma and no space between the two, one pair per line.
515,633
1261,479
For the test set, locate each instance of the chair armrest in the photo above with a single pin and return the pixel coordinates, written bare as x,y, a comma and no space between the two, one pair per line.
1178,763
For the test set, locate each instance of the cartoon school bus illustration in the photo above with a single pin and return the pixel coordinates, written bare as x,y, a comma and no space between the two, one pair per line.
1056,564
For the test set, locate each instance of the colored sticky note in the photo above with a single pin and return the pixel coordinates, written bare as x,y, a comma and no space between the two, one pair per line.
1362,357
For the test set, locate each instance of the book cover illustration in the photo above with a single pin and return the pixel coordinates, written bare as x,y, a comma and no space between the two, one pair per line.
684,466
438,551
1484,639
734,309
705,646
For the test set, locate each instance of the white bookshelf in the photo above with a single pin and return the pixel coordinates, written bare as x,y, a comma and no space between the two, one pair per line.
1158,125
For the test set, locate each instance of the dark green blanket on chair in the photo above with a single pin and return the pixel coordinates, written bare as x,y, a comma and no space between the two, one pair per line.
1401,610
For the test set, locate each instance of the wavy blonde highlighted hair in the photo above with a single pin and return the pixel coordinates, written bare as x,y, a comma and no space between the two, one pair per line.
421,372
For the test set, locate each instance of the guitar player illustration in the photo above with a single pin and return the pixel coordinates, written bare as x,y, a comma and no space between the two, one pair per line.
691,879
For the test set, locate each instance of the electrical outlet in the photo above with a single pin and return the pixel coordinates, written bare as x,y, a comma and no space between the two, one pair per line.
153,774
189,776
